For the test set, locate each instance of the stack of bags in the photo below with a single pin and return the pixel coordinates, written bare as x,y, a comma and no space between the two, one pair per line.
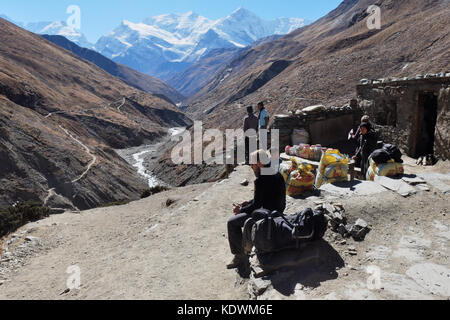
298,176
333,168
388,169
305,151
385,162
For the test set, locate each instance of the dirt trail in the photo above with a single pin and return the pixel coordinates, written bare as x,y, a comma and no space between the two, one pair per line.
121,104
146,250
143,250
88,151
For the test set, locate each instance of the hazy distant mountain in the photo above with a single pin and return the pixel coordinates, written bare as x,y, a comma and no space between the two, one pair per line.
131,77
166,44
59,28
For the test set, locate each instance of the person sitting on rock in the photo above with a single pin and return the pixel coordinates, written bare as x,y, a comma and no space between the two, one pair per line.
270,194
367,144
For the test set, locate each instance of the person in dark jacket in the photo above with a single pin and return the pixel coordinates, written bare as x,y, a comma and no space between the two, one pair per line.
270,194
367,144
250,130
355,137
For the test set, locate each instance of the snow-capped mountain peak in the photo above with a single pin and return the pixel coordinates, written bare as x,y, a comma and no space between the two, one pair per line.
59,28
172,42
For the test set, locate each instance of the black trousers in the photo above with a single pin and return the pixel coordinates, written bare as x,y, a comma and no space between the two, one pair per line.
235,225
247,150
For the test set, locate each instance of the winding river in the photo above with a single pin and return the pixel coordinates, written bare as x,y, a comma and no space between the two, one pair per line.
138,156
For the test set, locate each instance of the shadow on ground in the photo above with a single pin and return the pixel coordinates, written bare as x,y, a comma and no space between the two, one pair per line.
309,274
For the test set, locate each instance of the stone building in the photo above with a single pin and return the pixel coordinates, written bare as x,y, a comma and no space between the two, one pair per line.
412,113
328,127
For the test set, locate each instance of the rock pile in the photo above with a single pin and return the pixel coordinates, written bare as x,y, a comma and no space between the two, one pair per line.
337,221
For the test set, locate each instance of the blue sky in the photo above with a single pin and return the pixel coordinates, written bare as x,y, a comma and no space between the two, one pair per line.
99,17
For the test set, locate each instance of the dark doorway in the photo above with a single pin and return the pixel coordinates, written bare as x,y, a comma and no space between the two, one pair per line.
428,104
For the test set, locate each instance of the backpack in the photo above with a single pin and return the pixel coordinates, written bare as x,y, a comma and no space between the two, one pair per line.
272,231
394,152
380,156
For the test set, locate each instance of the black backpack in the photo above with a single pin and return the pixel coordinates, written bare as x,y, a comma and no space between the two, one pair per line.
394,152
380,156
271,231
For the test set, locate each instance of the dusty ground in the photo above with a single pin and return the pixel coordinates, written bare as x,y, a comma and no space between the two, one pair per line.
146,250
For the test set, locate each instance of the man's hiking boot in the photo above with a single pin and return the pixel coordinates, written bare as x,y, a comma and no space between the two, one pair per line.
237,260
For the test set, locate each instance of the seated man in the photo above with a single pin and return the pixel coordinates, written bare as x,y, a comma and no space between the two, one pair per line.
270,194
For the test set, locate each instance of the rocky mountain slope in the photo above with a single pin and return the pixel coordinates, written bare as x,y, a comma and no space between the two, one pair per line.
201,73
162,45
323,62
129,76
60,117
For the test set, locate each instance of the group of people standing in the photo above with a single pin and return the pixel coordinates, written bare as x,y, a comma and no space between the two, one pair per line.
255,123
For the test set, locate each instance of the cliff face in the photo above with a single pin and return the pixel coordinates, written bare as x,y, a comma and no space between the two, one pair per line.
60,117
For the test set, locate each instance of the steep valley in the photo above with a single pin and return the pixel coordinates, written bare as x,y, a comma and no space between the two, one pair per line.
54,120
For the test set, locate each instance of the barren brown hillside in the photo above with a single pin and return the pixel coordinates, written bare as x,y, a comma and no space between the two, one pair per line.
323,62
60,117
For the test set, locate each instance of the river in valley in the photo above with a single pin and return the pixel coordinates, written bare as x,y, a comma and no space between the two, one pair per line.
138,157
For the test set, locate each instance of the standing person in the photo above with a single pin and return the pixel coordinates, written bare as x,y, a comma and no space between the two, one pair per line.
270,194
263,124
250,123
354,137
367,145
263,118
364,119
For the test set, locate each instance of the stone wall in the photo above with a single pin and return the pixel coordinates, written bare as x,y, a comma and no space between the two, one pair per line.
442,137
326,126
393,106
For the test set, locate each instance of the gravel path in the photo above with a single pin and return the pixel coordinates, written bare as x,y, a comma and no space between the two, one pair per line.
177,249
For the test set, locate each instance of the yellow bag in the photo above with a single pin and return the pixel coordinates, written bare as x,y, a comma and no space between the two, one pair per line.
285,170
322,180
300,166
370,175
332,156
299,182
389,169
333,168
400,168
336,171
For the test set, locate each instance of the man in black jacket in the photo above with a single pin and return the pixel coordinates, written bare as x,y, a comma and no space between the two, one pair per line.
367,144
270,194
